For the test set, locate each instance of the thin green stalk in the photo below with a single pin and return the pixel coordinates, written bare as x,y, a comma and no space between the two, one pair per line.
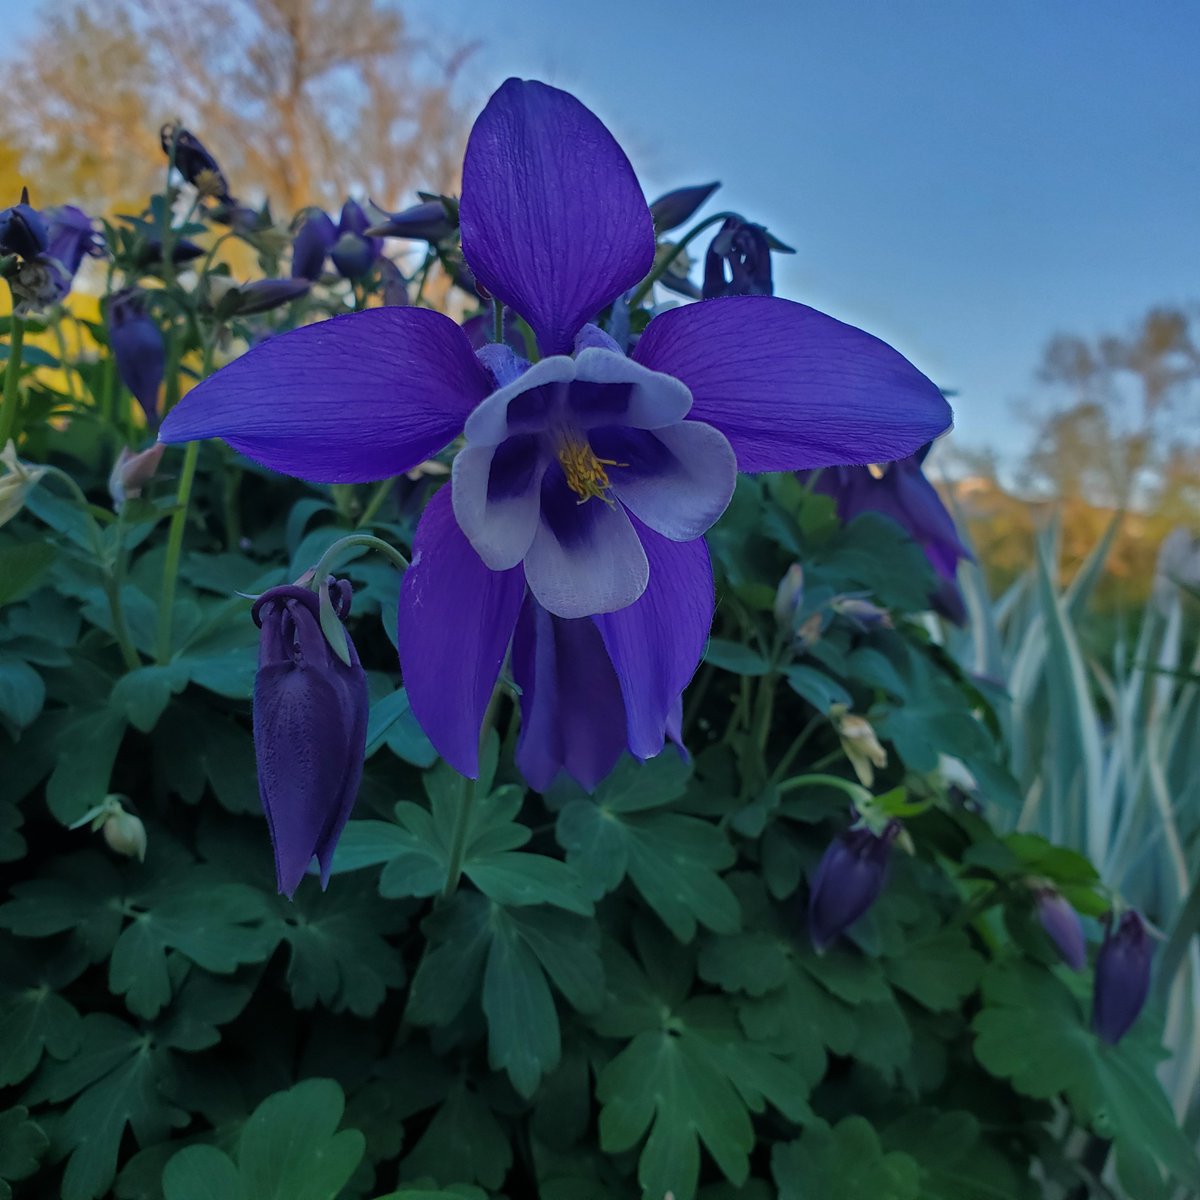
8,414
166,602
663,267
462,823
497,321
382,490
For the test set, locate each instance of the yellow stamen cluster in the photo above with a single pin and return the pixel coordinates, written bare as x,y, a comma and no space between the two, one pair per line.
878,470
585,473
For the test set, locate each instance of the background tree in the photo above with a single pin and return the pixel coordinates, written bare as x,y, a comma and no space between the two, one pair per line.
302,101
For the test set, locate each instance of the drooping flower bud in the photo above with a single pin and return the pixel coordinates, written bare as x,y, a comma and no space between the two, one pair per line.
425,222
848,881
862,612
125,834
1122,977
194,162
138,347
260,296
746,248
1062,923
131,472
354,253
314,239
150,252
310,728
788,596
23,232
672,209
17,481
860,743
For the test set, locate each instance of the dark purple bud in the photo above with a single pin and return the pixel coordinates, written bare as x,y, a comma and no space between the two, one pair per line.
746,250
427,222
311,246
260,296
1122,977
1062,923
670,211
848,881
194,162
310,728
138,347
354,253
22,231
395,286
182,251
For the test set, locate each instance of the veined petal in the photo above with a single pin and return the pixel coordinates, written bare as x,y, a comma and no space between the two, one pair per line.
456,620
585,557
656,643
497,498
677,480
791,387
572,714
357,397
553,219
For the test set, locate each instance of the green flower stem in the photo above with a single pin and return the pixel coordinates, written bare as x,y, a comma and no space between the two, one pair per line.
663,267
8,414
497,321
375,503
179,517
325,563
468,790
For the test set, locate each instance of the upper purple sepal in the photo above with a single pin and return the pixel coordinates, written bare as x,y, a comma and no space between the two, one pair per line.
553,219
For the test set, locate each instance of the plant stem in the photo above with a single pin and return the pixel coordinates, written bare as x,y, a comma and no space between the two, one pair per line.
663,267
325,562
462,823
8,414
179,518
375,503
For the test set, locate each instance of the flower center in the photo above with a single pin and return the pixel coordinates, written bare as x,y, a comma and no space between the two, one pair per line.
585,473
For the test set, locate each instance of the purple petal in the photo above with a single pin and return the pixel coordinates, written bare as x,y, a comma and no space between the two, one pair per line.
572,715
677,480
456,620
792,388
553,219
497,498
656,643
358,397
585,557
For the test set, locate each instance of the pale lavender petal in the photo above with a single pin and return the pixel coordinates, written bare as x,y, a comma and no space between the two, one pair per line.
358,397
656,643
497,498
553,220
456,620
791,387
572,714
586,557
677,480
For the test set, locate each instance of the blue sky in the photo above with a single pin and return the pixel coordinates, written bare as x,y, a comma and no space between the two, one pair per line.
962,178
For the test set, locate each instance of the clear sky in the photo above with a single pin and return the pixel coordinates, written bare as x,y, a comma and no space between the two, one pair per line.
964,178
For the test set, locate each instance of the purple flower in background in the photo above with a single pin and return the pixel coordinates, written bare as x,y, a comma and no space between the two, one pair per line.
23,231
310,728
901,491
138,347
194,163
738,261
354,253
311,246
848,881
424,222
72,238
584,474
1062,923
1122,977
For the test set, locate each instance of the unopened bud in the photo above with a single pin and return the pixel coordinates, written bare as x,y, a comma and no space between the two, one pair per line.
17,481
860,742
862,612
125,834
131,472
1061,922
1122,977
789,595
426,222
848,881
674,208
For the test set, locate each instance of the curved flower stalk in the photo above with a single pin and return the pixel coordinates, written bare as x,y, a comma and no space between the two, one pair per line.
901,491
584,474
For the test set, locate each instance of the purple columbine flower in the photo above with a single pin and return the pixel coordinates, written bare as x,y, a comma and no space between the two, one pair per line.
585,472
738,262
354,253
23,231
311,246
72,238
848,881
901,491
310,728
1122,977
194,163
138,347
1061,922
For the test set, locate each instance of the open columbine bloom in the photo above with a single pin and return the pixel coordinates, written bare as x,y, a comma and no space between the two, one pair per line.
577,508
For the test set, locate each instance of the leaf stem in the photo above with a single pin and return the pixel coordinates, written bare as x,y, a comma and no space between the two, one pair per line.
175,534
12,372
